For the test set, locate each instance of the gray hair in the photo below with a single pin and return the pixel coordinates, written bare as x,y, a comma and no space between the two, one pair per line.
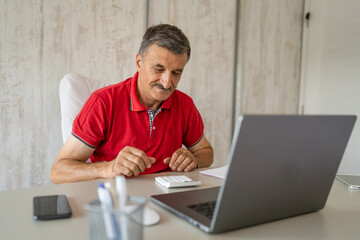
166,36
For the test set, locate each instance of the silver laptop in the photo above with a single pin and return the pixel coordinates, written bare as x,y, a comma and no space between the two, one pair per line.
279,166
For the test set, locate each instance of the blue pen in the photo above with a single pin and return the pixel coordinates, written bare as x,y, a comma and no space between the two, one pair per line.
111,224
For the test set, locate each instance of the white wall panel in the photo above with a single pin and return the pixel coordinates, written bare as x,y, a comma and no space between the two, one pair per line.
331,67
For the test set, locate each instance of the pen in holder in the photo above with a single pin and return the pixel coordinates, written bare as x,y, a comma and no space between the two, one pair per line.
110,223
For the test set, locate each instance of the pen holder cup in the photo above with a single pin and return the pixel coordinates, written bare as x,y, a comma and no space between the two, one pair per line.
110,223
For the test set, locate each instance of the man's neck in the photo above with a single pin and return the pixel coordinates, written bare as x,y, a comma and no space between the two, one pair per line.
154,105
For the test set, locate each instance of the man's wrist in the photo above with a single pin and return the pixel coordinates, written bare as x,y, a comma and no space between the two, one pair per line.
107,170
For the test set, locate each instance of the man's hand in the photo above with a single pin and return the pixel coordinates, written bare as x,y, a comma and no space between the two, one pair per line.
131,161
70,164
199,155
181,160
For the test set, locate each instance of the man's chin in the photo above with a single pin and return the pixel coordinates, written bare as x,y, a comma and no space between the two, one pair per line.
162,96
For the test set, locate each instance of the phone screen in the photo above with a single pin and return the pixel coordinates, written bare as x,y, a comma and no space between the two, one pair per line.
51,207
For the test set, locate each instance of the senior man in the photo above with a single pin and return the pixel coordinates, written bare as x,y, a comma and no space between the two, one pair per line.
138,126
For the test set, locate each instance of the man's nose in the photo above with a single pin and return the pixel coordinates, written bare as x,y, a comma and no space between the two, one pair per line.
166,80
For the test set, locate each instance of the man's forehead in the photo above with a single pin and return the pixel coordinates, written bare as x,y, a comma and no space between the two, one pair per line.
155,50
162,57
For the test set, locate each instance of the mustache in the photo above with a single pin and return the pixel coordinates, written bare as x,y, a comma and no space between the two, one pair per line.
160,86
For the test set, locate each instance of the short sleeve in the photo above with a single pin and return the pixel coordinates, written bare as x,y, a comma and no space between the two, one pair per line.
90,124
194,126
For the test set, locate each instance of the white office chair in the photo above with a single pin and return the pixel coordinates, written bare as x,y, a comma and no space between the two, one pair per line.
75,89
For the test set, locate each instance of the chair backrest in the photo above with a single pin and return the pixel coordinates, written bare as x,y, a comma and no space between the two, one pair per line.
75,89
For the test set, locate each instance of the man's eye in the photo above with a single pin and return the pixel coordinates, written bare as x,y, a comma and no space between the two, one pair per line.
158,70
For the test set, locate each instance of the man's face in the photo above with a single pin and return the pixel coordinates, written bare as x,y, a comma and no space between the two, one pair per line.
159,74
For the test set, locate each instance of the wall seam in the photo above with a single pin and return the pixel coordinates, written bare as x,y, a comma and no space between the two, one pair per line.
146,18
234,83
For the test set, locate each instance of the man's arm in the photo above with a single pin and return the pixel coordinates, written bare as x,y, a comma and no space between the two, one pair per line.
70,164
199,155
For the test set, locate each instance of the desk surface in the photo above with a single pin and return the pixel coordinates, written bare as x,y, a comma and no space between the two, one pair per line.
340,219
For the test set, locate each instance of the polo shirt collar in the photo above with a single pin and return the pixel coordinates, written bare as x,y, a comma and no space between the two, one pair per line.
136,105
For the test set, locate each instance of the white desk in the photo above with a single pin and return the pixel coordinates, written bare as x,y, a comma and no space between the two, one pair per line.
340,219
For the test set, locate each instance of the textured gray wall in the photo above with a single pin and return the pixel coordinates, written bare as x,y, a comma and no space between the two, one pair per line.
41,41
271,56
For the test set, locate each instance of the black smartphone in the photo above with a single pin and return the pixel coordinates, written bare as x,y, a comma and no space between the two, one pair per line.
51,207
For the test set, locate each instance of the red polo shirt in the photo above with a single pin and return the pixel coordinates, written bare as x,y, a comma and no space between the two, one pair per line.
113,118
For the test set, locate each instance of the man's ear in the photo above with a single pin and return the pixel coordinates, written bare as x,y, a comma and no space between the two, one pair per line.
138,62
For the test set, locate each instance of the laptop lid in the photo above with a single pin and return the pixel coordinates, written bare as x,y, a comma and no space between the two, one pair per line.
279,166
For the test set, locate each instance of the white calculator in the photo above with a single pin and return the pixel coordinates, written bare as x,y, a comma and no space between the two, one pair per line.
176,181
